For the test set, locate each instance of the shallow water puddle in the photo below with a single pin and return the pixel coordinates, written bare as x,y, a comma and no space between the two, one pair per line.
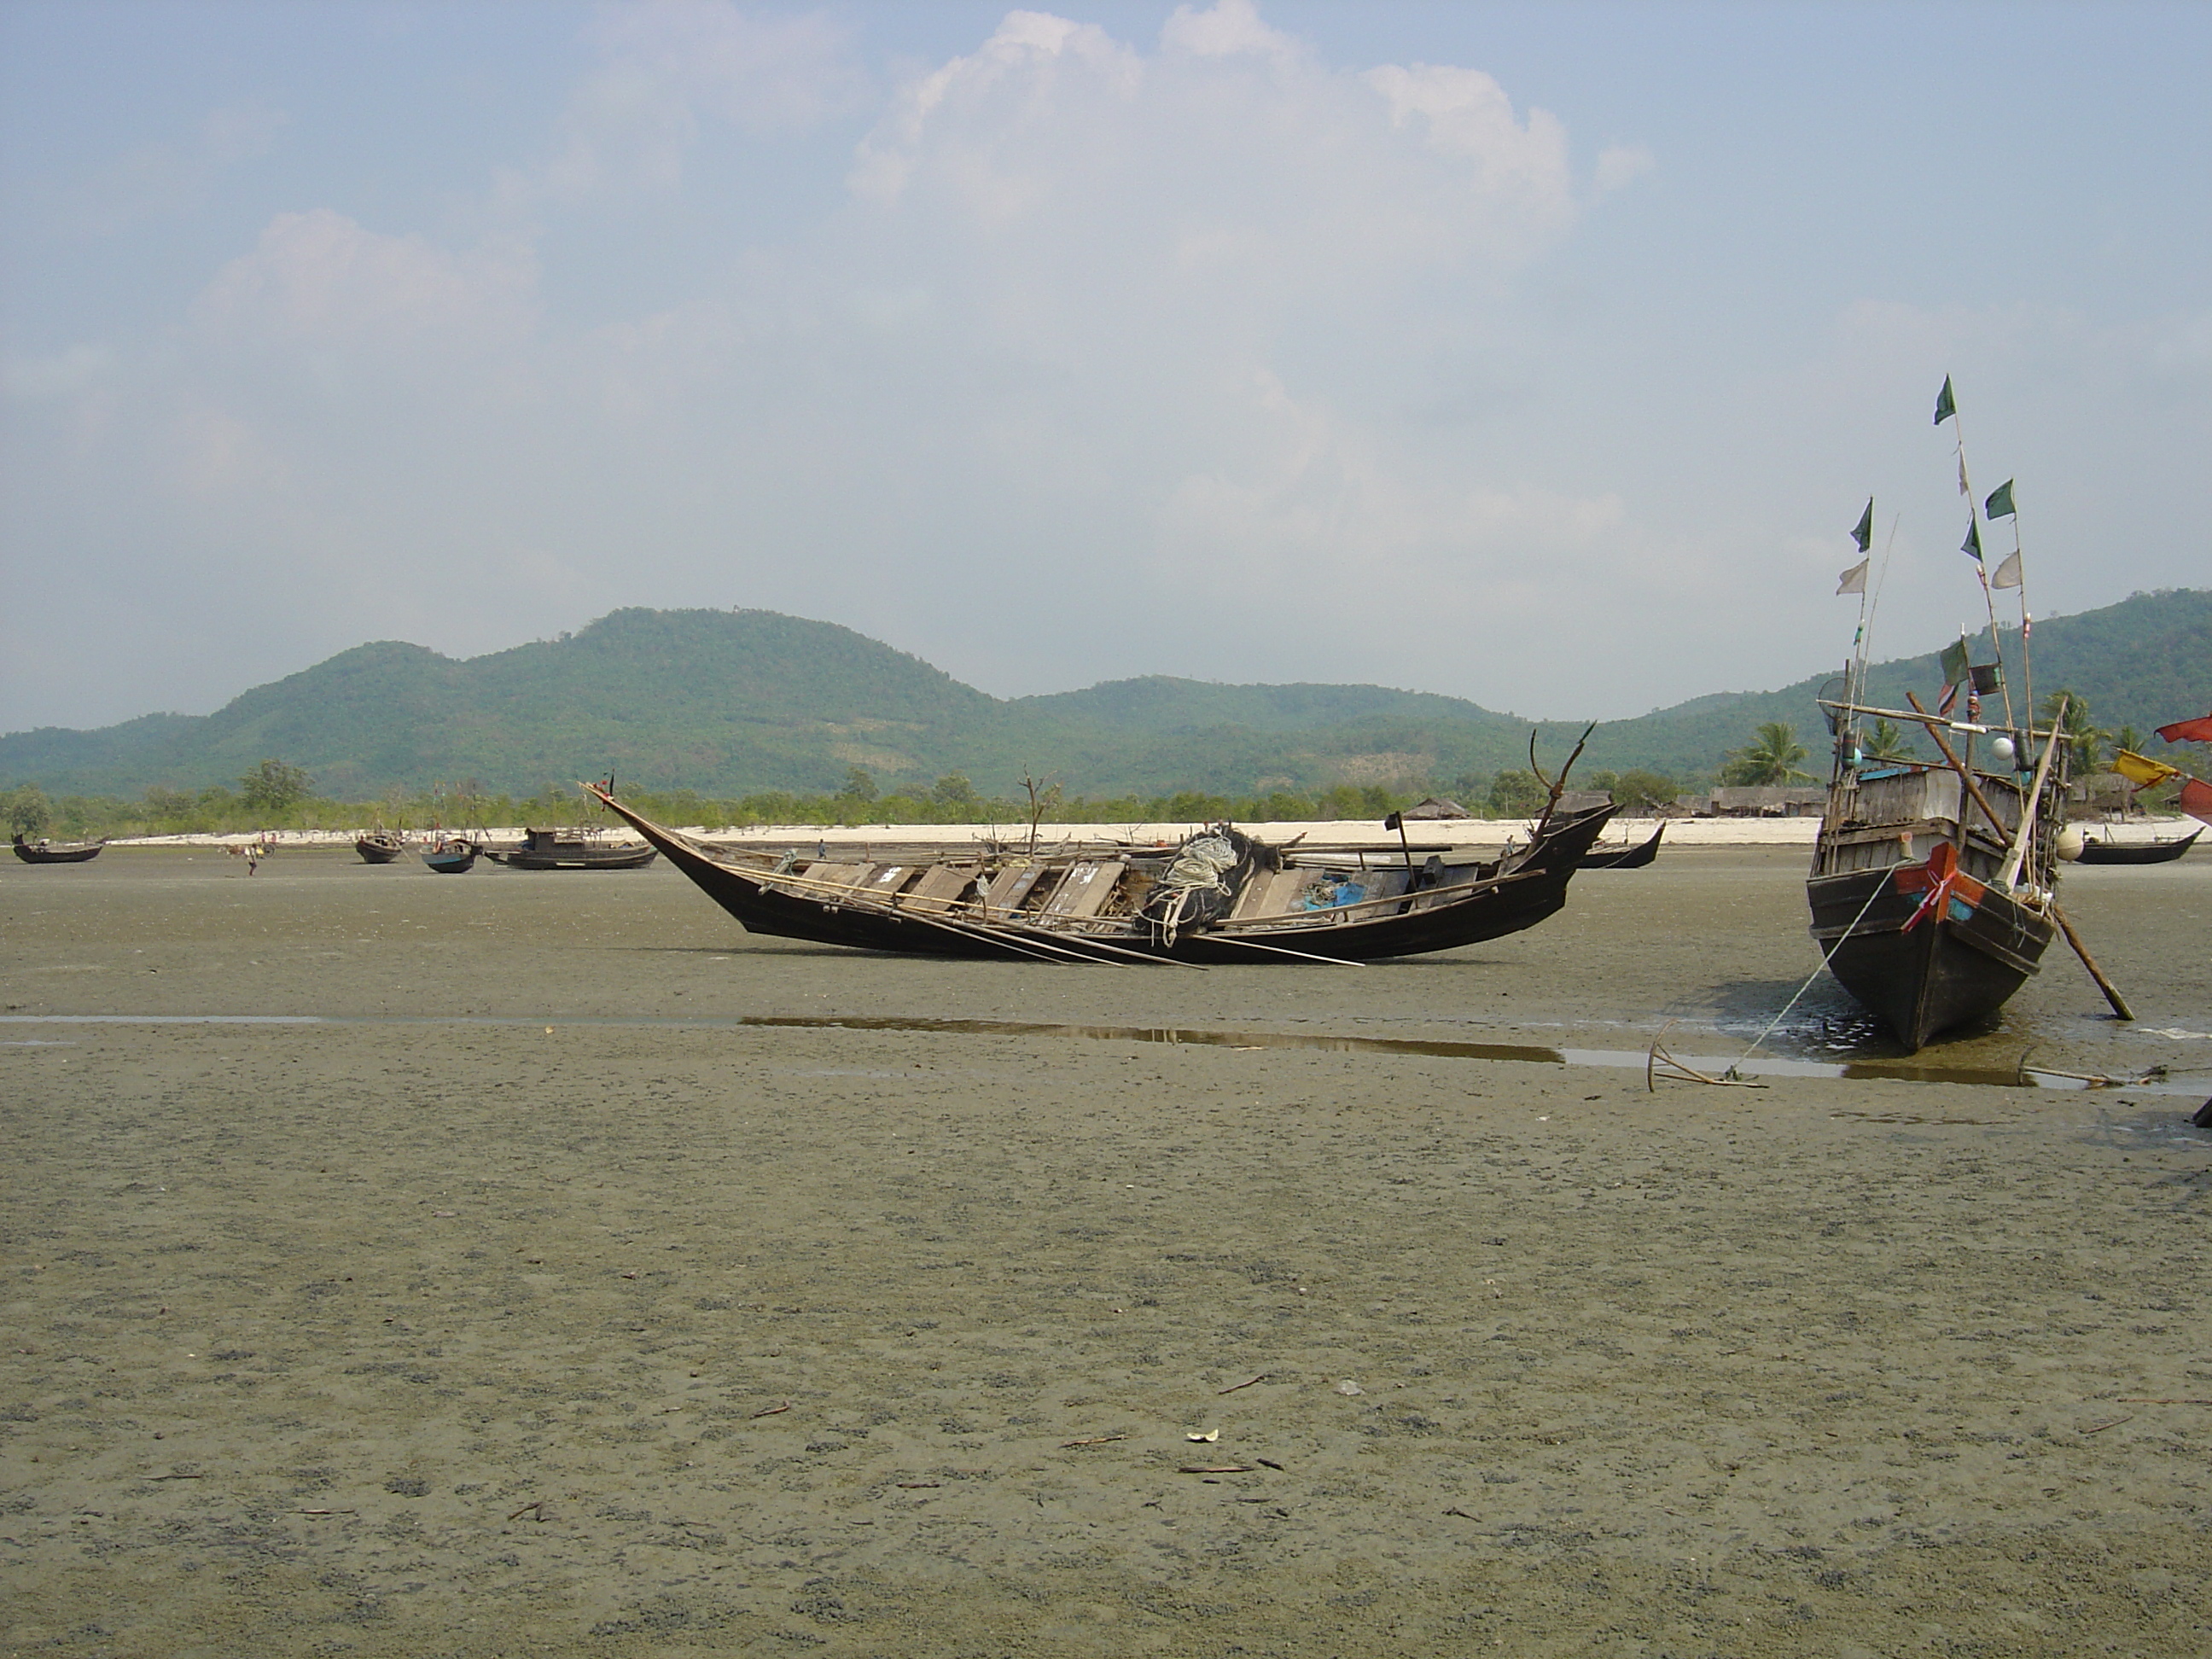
1892,1071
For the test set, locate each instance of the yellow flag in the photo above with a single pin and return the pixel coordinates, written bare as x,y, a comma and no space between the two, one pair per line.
2141,771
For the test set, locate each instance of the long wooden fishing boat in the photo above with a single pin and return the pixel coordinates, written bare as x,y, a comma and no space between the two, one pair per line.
569,849
2104,850
57,851
1625,858
1218,897
380,845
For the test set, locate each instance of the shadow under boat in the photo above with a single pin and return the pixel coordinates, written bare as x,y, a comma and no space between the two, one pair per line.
1220,897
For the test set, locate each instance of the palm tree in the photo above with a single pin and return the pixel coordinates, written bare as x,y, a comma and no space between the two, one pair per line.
2085,742
1771,758
1887,742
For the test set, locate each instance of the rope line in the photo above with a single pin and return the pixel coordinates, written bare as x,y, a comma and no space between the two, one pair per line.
1809,978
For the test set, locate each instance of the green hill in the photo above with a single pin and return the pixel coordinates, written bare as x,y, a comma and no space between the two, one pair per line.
729,702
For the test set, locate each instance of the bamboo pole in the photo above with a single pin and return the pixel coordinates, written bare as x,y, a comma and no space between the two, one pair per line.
2010,874
2003,829
2112,992
2119,1004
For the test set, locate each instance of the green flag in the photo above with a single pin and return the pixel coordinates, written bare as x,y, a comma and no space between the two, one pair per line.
2000,503
1953,662
1864,535
1972,545
1945,405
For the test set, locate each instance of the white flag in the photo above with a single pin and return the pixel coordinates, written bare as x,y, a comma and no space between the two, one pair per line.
2007,574
1853,580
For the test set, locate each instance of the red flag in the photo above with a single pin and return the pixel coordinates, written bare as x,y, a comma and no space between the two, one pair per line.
2188,730
2197,798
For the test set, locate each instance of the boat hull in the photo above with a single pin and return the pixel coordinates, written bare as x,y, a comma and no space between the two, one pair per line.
1627,858
67,853
1924,967
589,858
452,863
2155,852
1535,889
379,852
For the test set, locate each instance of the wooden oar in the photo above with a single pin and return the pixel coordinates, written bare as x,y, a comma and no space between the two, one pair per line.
1280,951
1146,957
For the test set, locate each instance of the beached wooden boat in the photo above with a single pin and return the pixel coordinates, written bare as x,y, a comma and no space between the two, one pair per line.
57,851
380,846
451,857
2095,850
1218,897
569,849
1625,858
1933,888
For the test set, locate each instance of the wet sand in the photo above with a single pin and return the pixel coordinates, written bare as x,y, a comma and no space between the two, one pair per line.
576,1317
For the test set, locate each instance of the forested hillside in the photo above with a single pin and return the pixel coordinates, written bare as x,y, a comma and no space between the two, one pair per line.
727,703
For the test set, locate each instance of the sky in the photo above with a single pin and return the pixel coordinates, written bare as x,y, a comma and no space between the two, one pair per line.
1544,354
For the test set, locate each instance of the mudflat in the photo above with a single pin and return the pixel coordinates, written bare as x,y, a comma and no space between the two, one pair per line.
499,1290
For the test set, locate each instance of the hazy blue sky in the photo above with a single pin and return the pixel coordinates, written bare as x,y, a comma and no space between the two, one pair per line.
1540,354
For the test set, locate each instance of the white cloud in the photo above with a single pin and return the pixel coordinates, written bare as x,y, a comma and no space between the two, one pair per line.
1231,28
62,375
673,66
1619,166
171,179
318,277
1137,338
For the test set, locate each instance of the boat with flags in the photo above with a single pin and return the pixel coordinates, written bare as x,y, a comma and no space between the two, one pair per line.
1933,888
1218,897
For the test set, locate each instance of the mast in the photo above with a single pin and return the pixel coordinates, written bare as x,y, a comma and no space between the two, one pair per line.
1947,409
2013,573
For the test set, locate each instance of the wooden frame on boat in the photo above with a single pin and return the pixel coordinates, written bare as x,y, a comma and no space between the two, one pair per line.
1220,897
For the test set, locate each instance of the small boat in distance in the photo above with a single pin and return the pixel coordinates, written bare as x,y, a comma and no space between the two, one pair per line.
1218,897
380,846
1625,858
57,851
2097,850
451,855
570,849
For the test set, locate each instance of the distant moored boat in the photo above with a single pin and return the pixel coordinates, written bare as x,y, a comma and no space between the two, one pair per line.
451,857
57,851
570,849
380,846
2096,851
